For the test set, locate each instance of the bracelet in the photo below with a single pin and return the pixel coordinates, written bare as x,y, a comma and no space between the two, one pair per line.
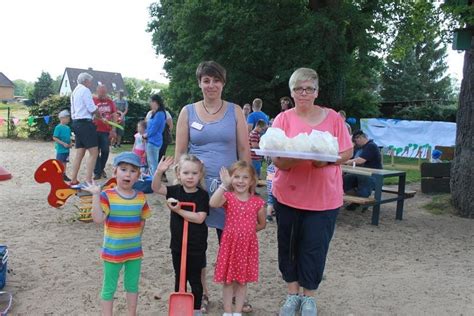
223,187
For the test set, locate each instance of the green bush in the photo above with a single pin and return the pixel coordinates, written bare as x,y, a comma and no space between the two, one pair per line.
50,106
427,112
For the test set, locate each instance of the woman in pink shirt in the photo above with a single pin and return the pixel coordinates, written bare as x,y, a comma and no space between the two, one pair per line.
308,195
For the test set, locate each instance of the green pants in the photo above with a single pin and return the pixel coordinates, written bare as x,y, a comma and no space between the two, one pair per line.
111,275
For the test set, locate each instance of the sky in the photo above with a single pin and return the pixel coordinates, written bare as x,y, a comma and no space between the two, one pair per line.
50,35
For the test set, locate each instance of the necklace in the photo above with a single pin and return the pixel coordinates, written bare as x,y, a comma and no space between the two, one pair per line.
205,108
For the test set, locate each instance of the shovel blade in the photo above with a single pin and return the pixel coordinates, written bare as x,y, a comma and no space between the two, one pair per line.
181,304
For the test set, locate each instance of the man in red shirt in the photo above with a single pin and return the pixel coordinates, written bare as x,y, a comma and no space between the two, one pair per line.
106,110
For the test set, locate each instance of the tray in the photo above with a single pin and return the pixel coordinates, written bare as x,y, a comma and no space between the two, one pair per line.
296,154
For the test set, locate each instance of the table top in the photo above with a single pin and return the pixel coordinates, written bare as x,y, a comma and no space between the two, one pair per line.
369,171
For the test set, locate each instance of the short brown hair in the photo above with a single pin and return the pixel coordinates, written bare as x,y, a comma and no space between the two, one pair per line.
261,123
211,69
257,103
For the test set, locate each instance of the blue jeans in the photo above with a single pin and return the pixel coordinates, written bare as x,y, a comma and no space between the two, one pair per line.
152,155
104,148
257,164
363,185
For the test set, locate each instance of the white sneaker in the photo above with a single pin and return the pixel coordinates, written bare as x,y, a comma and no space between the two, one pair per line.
291,305
308,306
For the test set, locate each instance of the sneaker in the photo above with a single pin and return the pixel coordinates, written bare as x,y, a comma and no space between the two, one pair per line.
103,175
97,177
291,306
308,306
66,178
269,219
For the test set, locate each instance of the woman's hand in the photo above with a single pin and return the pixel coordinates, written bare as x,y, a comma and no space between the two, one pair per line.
225,177
164,164
92,188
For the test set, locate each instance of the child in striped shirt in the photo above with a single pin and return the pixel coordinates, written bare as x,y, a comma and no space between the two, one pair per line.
123,212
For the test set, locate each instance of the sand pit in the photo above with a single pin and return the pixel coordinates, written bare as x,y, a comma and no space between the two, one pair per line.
422,265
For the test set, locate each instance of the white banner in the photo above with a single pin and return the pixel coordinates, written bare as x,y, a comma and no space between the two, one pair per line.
409,138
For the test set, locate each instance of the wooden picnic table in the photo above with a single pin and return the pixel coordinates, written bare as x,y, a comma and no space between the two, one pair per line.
379,175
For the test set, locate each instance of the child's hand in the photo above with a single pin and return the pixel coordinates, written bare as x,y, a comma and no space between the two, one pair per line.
91,187
225,177
164,164
173,204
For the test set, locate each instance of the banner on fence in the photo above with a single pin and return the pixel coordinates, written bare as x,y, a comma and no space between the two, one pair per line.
409,138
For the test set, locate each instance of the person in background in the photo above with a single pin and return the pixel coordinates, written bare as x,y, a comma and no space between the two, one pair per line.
62,139
82,112
286,103
256,115
122,109
247,109
154,131
106,111
342,113
254,139
368,156
436,156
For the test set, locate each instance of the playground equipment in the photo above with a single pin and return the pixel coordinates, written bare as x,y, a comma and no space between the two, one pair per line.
4,174
52,171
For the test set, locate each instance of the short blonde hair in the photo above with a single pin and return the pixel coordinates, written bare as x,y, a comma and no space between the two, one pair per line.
191,158
304,74
257,103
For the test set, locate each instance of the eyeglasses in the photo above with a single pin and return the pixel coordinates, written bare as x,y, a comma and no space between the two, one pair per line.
308,90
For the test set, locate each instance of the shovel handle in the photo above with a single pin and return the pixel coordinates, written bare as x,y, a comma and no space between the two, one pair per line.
184,248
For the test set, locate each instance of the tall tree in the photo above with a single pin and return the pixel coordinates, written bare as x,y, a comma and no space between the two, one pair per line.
44,87
416,66
262,42
462,170
22,87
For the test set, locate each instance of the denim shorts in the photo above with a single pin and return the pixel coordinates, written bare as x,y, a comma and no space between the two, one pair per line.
63,157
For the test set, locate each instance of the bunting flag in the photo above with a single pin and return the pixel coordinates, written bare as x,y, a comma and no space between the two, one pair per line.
31,120
46,119
16,120
2,120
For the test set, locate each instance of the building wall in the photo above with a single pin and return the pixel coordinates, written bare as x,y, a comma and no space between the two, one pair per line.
6,92
65,85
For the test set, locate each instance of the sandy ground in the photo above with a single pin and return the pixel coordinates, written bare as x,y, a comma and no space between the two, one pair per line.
422,265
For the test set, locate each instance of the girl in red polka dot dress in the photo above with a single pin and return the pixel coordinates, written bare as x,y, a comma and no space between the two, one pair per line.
237,260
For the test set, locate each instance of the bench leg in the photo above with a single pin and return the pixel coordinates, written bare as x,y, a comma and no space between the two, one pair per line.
378,198
401,195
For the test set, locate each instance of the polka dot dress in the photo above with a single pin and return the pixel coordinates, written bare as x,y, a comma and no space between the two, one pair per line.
237,259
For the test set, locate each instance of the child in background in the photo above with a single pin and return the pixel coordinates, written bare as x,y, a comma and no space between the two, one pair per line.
139,144
62,139
237,260
254,139
271,169
436,156
123,212
190,175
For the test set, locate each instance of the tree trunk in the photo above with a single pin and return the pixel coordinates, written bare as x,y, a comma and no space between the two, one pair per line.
462,170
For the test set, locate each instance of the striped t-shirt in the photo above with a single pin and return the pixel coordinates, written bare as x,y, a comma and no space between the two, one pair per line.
254,137
123,225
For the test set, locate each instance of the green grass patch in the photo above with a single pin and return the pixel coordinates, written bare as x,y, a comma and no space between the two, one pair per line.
19,111
439,205
410,165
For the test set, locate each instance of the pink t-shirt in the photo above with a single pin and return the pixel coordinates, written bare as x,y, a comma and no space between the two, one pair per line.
304,186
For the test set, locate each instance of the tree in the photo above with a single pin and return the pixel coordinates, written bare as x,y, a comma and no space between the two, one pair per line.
261,43
22,87
43,87
416,66
141,90
462,170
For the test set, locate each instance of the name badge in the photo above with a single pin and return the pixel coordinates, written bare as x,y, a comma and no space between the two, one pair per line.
197,126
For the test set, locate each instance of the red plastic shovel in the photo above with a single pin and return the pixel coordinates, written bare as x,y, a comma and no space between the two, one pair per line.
181,303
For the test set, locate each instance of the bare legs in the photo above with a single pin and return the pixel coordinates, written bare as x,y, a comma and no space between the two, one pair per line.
132,298
294,288
237,290
80,153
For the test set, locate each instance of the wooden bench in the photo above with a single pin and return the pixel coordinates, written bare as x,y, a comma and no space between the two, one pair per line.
358,200
435,177
394,190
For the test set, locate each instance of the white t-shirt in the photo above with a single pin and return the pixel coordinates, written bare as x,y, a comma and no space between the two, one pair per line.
82,104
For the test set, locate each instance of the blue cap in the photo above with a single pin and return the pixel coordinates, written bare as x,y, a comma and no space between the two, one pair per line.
128,157
436,154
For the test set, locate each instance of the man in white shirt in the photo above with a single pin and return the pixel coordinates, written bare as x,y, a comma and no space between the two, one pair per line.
82,113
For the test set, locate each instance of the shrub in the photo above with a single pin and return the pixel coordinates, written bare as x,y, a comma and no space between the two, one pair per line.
50,106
